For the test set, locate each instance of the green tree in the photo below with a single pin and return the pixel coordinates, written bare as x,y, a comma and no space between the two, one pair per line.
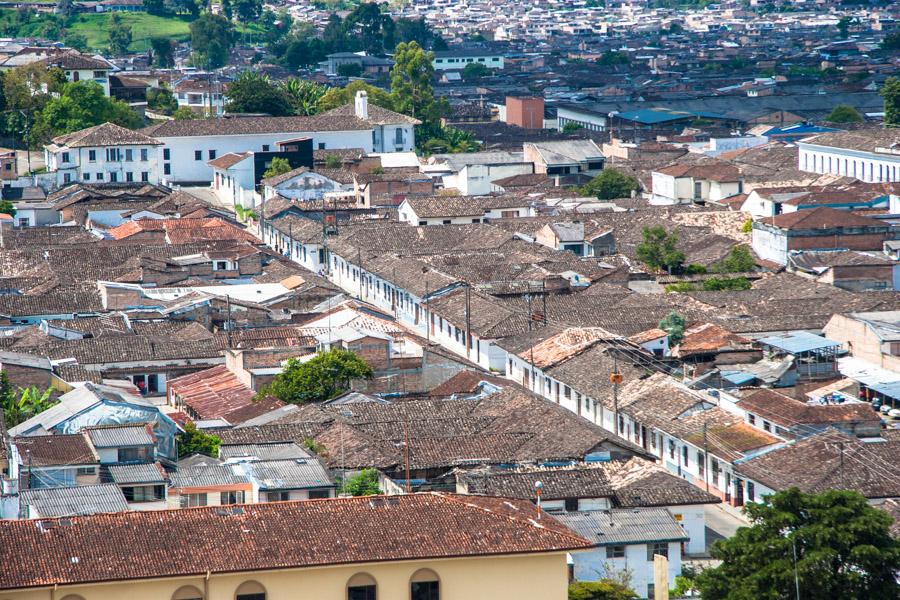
843,26
278,166
731,284
450,140
673,324
475,70
81,104
333,161
612,57
659,249
325,376
611,184
420,32
7,208
119,35
162,100
253,92
891,42
184,113
23,404
156,7
247,10
365,483
194,441
76,40
411,89
163,49
212,37
844,113
599,590
335,97
571,127
739,260
303,95
843,546
374,29
890,91
349,70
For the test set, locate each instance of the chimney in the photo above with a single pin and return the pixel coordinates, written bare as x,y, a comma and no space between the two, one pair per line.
362,105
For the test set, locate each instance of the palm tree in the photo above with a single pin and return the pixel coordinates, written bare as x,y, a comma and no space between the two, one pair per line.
244,213
304,95
20,406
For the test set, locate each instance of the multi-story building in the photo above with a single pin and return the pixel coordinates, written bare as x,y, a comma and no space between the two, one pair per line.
871,155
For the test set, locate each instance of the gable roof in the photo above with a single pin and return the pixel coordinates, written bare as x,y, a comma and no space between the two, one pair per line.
307,534
822,217
54,450
107,134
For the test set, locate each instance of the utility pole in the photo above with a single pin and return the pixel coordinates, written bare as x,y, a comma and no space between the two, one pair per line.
468,321
290,241
228,321
841,447
406,454
615,378
705,457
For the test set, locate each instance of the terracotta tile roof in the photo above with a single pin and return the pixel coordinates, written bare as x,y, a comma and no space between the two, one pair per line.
789,412
704,338
866,140
184,231
53,450
563,345
722,172
212,393
107,134
814,464
307,534
822,217
228,160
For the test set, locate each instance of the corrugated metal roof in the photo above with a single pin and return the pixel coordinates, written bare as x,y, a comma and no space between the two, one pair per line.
68,501
150,473
289,474
117,436
207,475
273,451
624,526
799,341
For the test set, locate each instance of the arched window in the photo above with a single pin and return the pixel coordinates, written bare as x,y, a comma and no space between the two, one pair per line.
250,590
187,592
361,586
424,585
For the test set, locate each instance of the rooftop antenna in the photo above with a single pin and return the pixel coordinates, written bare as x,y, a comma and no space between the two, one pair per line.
538,486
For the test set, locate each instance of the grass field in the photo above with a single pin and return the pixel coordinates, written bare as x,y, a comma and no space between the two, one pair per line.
143,27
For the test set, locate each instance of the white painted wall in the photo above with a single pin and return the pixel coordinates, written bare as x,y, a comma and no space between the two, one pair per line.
593,565
865,166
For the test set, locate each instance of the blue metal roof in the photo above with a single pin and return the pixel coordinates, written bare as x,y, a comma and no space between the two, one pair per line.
650,116
737,377
799,129
799,341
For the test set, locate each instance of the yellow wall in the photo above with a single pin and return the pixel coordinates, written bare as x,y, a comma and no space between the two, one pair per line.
532,577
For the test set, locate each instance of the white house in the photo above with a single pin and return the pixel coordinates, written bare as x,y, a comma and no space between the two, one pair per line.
871,155
189,145
82,67
104,153
683,184
473,172
456,60
233,179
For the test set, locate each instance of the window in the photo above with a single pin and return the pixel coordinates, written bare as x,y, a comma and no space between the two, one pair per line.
751,419
189,500
621,424
187,592
133,454
571,504
321,145
114,177
147,493
701,463
86,176
651,590
167,169
715,469
684,454
212,154
231,498
671,449
361,586
129,176
99,176
318,494
250,590
145,176
615,552
92,155
751,491
67,177
446,221
424,585
767,426
86,471
661,548
398,136
167,154
265,147
277,496
65,157
198,154
144,155
129,154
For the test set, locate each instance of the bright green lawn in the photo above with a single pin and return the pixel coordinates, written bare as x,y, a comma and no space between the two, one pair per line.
143,27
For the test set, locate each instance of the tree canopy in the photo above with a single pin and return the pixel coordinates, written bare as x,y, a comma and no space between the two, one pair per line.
365,483
611,184
278,166
843,550
194,441
81,104
253,92
890,91
321,378
411,90
739,260
119,35
600,590
674,325
162,100
20,405
212,37
844,113
659,249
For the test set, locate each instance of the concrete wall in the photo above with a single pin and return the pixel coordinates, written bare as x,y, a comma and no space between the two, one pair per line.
866,166
536,577
527,113
594,565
